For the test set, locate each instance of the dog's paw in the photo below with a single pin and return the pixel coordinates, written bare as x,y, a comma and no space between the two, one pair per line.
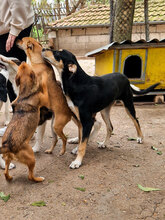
75,164
36,179
41,178
139,140
6,123
74,151
36,149
2,131
11,166
49,151
73,140
62,152
101,145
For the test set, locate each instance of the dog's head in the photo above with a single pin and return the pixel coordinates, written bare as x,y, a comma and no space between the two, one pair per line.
8,70
61,59
9,63
25,78
31,47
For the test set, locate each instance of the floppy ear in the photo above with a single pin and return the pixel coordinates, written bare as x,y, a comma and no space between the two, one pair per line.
17,80
72,67
30,45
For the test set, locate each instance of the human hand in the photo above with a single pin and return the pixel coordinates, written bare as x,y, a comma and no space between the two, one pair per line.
10,42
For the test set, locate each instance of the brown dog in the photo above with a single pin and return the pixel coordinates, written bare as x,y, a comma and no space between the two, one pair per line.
33,94
58,103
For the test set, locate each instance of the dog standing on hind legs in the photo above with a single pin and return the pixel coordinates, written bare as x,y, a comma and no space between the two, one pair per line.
90,95
33,94
58,104
7,88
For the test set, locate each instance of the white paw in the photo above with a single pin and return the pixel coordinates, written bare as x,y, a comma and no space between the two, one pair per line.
139,140
74,151
6,123
36,148
101,145
11,166
2,131
73,140
75,164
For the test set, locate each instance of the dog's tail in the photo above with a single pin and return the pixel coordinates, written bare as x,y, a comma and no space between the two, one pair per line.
137,91
4,149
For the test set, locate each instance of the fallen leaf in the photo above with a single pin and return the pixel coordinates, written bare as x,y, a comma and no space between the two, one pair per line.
4,197
148,189
136,165
159,153
82,177
154,148
39,204
63,203
131,139
50,181
81,189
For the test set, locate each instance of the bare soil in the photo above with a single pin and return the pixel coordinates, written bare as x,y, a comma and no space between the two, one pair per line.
110,175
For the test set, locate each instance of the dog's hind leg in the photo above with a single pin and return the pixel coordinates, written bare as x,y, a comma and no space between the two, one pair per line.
39,137
78,123
105,113
55,139
130,109
26,156
87,123
96,128
59,124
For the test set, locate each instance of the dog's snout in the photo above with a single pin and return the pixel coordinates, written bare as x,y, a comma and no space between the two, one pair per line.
46,49
17,42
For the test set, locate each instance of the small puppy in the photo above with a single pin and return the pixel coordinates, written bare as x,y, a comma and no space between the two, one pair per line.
33,94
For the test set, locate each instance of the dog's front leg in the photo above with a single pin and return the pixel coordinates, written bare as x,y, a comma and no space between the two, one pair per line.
39,137
86,129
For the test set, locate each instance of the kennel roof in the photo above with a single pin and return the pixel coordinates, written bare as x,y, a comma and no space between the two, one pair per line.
140,44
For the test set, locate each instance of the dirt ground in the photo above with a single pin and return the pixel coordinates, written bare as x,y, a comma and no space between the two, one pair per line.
110,175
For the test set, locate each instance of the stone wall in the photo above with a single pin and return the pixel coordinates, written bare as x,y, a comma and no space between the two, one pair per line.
81,41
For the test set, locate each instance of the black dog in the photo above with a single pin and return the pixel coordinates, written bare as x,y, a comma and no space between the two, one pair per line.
88,95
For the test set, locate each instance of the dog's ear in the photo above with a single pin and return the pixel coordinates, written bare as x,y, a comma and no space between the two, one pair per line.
72,68
30,45
17,80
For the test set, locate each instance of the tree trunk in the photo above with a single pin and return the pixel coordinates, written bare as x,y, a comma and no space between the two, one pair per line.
123,22
146,19
112,16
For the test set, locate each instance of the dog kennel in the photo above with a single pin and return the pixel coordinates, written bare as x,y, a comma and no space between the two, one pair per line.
142,62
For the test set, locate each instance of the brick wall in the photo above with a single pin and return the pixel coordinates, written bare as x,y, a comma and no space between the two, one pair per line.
81,41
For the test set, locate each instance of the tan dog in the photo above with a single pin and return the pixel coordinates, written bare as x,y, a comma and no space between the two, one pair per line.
57,99
33,94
